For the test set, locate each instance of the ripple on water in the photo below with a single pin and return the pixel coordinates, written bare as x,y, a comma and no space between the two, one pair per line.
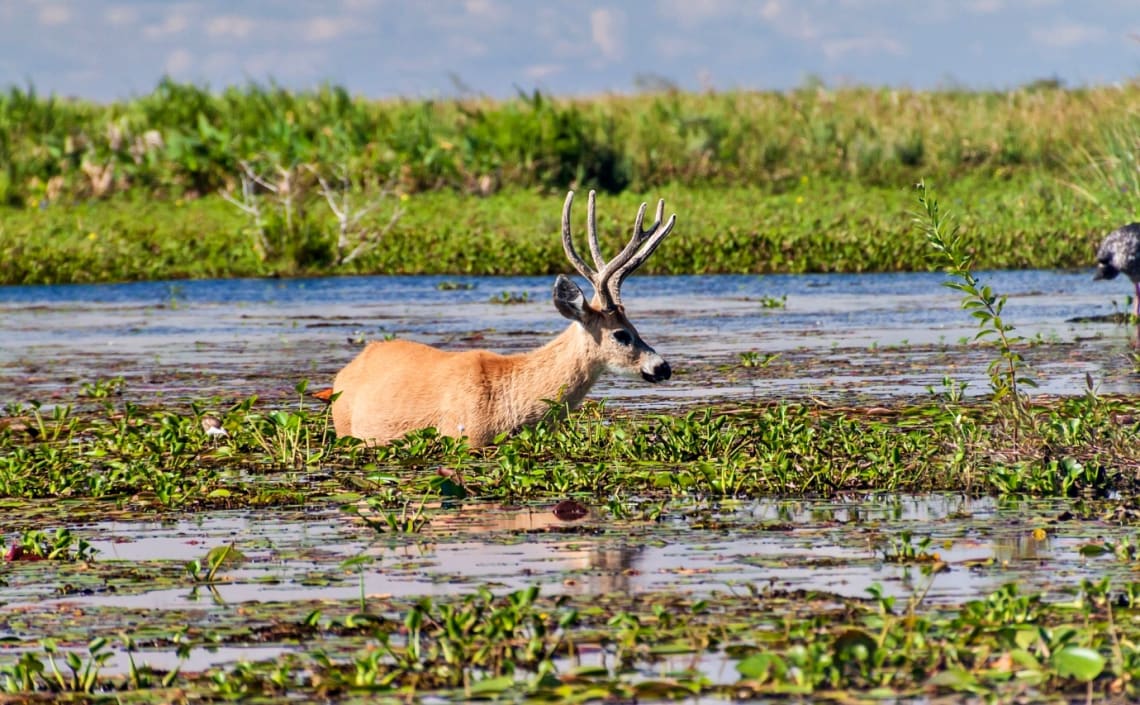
197,339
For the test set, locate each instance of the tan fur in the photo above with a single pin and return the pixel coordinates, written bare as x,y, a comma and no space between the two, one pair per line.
392,388
398,386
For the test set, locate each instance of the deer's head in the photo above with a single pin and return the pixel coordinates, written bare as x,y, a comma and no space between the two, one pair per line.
618,343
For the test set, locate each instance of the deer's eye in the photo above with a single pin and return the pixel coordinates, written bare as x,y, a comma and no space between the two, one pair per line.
623,337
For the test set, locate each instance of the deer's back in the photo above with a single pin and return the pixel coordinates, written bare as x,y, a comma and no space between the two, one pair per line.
397,386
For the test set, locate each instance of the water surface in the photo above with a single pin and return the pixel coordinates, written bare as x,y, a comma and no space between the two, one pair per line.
865,337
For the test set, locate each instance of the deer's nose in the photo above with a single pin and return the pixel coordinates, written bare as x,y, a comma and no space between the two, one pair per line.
659,372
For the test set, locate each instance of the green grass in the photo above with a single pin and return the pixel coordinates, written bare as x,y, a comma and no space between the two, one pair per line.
817,226
184,140
808,180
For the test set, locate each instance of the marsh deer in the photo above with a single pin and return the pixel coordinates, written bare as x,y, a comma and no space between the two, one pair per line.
398,386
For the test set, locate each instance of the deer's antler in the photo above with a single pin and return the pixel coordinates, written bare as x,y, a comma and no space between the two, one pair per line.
608,277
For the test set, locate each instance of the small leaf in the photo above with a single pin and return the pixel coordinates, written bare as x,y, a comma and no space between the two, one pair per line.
490,686
854,645
1090,550
1078,662
758,666
588,672
955,679
1022,657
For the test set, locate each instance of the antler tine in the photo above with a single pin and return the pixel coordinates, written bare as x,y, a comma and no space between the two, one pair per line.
615,264
568,244
592,231
608,277
640,247
660,214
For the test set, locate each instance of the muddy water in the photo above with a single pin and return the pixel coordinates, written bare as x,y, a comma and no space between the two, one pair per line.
862,337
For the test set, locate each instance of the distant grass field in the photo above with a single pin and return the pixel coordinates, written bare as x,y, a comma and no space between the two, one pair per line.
819,226
808,180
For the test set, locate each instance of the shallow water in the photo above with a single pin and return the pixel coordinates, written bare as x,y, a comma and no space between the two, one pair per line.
834,546
865,337
293,562
868,338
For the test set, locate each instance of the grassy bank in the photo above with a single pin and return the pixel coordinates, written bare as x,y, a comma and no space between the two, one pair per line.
259,181
184,140
818,225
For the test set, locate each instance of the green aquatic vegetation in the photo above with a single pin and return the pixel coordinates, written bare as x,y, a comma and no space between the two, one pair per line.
411,519
36,544
29,674
155,457
903,549
216,558
285,436
523,645
511,297
102,388
751,358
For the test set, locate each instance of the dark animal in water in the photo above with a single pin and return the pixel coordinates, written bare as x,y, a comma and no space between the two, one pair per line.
1120,253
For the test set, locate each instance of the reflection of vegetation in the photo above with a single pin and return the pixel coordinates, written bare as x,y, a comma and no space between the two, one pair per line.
454,286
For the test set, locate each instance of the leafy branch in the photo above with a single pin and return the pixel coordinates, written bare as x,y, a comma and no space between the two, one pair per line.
1007,372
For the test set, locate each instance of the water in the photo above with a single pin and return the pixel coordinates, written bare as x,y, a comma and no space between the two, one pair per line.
865,336
293,562
875,338
838,546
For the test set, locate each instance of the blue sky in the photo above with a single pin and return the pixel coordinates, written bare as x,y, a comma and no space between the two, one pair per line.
424,48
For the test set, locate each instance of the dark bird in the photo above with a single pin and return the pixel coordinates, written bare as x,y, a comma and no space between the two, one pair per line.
1120,253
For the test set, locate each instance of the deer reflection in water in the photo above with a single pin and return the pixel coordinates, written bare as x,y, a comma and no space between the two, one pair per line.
590,565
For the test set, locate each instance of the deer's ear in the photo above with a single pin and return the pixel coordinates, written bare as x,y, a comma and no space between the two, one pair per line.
569,299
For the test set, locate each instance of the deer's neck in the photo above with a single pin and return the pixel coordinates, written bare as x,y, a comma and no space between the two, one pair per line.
562,371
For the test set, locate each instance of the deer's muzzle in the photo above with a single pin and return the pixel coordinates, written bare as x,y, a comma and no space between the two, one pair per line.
658,372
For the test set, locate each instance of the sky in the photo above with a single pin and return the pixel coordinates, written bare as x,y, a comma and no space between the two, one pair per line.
105,50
